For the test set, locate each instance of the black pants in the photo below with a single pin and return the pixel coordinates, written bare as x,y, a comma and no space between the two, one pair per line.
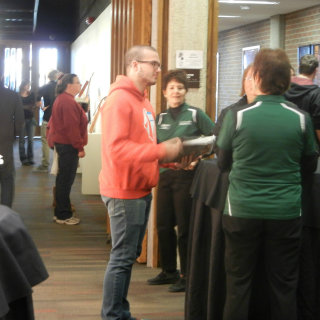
309,277
67,164
173,209
21,309
7,175
279,241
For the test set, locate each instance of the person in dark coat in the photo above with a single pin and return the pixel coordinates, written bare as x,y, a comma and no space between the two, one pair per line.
48,93
11,123
306,95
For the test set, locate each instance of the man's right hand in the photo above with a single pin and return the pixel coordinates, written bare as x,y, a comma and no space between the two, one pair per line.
173,150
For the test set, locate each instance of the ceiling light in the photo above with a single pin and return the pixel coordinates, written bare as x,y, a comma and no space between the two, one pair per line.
229,16
244,7
248,2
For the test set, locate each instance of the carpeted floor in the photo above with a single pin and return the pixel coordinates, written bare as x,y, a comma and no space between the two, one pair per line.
76,256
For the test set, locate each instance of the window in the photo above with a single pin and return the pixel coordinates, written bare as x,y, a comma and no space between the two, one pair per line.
12,68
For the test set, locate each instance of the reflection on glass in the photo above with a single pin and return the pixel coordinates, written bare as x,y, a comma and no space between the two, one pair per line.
12,68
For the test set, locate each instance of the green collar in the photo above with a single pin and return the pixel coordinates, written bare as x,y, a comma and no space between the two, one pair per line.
271,98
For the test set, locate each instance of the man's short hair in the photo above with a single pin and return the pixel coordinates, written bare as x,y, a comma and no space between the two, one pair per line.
308,63
53,75
136,53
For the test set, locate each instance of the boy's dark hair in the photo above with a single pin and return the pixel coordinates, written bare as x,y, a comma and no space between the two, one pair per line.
308,63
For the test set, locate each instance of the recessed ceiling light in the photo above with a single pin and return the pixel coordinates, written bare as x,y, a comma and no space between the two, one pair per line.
229,16
249,2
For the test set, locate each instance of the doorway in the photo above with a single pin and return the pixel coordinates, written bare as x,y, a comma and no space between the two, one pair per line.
48,61
25,60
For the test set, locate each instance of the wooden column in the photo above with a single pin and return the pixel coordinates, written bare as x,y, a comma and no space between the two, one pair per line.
212,58
131,25
163,33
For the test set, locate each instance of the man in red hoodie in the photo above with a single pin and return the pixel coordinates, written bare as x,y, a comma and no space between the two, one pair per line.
130,169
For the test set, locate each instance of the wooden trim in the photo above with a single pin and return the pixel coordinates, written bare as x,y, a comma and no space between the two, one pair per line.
163,44
212,58
162,48
131,25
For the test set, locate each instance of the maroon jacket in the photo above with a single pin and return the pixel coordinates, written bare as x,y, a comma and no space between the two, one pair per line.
68,123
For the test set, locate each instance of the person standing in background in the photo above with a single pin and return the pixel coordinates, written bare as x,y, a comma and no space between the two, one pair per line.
306,95
11,124
29,105
67,132
174,201
130,169
247,96
48,93
304,92
267,144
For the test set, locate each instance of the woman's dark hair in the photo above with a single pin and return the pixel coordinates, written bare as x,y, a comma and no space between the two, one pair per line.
272,66
63,83
23,84
175,74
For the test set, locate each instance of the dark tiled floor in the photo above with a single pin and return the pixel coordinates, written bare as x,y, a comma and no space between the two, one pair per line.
76,256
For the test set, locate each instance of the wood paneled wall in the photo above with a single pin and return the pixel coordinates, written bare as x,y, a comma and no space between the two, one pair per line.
163,44
212,58
131,25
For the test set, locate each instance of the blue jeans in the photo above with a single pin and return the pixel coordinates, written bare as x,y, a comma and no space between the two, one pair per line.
27,130
128,221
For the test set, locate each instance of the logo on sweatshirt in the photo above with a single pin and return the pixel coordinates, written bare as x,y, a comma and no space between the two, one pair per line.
149,124
185,123
165,126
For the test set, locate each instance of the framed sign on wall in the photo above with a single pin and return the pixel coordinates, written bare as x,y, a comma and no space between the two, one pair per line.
248,54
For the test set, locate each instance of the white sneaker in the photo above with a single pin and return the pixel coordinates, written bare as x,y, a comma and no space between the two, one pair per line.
71,221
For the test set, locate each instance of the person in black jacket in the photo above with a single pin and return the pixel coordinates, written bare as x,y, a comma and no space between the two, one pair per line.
304,92
11,123
306,95
48,93
247,96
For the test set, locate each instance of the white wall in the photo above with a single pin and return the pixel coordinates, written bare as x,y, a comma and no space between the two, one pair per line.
91,53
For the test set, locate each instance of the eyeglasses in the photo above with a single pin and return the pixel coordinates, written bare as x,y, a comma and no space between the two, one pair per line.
155,64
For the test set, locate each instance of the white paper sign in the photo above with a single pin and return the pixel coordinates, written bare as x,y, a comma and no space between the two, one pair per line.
189,59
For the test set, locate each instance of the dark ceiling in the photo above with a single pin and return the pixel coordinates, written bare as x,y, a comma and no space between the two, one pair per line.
39,19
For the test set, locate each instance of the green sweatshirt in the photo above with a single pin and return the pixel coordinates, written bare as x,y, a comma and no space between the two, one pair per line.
189,122
267,140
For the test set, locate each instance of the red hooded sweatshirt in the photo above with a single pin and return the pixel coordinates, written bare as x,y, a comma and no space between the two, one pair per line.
129,149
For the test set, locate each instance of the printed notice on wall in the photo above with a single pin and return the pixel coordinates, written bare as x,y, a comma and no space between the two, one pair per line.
189,59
